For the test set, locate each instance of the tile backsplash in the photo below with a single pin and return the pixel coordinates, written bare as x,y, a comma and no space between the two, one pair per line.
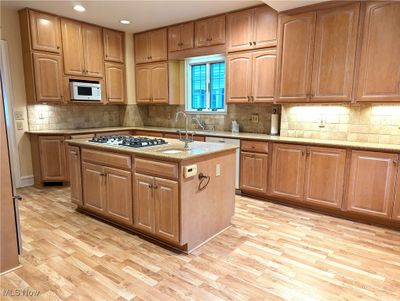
356,122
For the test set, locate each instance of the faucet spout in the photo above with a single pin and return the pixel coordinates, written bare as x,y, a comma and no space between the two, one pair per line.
187,140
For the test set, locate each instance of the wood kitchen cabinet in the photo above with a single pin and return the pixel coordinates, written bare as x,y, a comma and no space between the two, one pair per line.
324,179
317,52
83,48
115,82
114,45
52,158
253,172
45,32
74,163
378,74
181,37
152,83
396,208
93,181
251,29
371,183
48,73
156,206
210,31
287,171
251,76
151,46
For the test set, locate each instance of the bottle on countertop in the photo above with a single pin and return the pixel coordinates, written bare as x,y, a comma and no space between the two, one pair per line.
235,127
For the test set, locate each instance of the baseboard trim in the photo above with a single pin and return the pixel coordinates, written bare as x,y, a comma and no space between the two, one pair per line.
25,181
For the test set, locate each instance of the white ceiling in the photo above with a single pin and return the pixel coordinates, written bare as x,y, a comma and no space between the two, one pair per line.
142,14
281,5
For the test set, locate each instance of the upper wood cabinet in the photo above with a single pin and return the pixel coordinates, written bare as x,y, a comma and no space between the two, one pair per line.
52,158
251,28
379,76
317,52
287,171
83,49
74,163
115,82
324,178
45,32
48,74
371,183
152,83
396,208
114,44
151,46
253,172
210,31
181,37
251,76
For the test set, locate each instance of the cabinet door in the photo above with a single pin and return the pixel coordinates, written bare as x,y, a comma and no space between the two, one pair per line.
52,158
263,76
119,194
396,209
114,44
159,83
334,55
74,163
187,36
93,50
174,38
265,27
287,171
48,77
94,187
216,30
201,36
240,30
253,172
158,45
238,78
371,183
45,32
144,203
72,41
296,47
115,82
167,209
142,52
379,76
143,84
325,176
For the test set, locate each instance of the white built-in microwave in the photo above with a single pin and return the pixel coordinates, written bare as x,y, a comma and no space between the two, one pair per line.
85,91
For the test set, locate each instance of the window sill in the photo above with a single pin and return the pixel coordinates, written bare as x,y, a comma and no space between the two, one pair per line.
206,113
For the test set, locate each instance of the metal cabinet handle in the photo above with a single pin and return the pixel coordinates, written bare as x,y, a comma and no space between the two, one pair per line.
250,43
150,186
395,162
252,98
58,47
155,186
17,197
254,43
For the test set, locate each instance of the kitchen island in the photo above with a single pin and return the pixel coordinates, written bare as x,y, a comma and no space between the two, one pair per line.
181,198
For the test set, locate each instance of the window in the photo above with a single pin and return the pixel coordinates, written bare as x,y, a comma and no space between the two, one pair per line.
205,84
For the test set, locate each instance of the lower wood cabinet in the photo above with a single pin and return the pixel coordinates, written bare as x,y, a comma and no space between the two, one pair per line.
74,162
107,191
287,171
52,158
324,178
396,209
253,172
371,183
156,206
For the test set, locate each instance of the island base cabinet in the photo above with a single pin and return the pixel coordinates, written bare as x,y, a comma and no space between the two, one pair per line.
396,209
371,183
156,206
253,172
93,187
74,161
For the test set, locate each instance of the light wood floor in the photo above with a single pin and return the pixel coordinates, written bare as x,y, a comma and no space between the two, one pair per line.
272,252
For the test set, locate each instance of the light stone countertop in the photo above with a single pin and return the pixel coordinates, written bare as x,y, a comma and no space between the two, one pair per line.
250,136
198,149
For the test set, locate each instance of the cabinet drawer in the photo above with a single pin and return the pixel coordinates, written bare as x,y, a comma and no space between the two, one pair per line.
82,136
254,146
162,169
104,158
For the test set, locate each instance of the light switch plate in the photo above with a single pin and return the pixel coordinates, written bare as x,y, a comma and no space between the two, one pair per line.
20,125
19,115
254,118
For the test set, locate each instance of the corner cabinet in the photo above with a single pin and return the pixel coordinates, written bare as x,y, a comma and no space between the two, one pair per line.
210,31
52,158
371,183
378,74
151,46
115,83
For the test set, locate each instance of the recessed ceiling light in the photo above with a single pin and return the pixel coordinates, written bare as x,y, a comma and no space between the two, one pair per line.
79,8
126,22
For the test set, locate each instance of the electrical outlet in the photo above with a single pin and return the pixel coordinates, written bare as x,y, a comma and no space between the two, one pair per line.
217,170
254,118
41,115
322,123
20,125
19,115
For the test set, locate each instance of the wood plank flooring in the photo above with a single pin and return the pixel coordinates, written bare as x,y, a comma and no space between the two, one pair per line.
272,252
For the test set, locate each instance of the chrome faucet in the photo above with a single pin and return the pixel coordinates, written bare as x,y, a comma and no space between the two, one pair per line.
199,122
187,140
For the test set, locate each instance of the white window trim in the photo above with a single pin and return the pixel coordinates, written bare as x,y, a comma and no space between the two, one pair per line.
188,88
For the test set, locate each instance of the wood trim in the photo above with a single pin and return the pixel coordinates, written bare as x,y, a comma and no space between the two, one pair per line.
107,158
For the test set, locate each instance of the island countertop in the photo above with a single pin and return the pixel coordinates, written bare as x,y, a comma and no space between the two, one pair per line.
198,149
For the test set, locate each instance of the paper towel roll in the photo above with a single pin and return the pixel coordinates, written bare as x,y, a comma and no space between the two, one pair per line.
274,124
